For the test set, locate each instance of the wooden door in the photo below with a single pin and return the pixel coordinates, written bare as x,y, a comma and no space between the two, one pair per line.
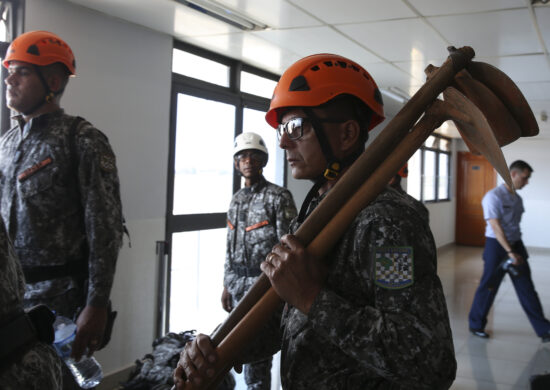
475,176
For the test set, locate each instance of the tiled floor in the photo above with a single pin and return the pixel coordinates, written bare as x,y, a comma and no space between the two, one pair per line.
513,353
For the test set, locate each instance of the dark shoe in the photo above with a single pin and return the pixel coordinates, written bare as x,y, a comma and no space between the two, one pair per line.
546,338
479,333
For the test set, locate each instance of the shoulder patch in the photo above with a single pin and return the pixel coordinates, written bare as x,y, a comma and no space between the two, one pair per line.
394,267
107,163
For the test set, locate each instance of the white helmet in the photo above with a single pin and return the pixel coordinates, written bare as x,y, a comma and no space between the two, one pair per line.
246,141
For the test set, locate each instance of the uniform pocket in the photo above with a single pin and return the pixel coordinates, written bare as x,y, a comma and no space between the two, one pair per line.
36,182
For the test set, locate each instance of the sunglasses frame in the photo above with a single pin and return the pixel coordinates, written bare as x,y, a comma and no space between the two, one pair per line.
283,127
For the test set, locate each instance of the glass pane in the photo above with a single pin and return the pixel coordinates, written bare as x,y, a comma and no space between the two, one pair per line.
445,145
200,68
429,175
413,179
443,191
254,121
203,172
197,280
257,85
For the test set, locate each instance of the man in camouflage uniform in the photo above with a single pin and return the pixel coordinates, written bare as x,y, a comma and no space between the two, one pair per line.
60,197
258,215
373,315
30,367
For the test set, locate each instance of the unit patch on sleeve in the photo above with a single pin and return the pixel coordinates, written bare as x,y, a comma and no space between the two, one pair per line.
394,267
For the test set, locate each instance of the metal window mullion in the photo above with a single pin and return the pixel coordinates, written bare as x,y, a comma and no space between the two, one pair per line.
239,118
436,176
422,174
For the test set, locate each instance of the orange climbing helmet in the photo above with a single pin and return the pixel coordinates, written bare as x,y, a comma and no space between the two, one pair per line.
40,48
318,78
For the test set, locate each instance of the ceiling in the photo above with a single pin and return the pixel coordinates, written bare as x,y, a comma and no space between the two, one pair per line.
393,39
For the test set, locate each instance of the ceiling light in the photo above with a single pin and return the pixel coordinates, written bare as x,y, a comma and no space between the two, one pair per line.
221,12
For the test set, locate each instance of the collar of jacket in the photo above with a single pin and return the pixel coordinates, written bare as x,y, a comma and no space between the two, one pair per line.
256,187
39,120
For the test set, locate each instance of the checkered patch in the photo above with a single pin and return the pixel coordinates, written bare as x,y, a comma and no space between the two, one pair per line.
394,267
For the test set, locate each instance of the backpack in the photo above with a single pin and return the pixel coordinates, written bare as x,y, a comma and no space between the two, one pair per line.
154,370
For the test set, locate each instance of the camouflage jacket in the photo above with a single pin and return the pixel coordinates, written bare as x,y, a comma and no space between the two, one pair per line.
380,321
258,216
60,202
39,367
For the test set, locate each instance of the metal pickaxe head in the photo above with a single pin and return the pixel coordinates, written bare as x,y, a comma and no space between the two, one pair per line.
498,112
476,131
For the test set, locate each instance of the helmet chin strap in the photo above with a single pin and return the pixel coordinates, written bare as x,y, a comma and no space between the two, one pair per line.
333,168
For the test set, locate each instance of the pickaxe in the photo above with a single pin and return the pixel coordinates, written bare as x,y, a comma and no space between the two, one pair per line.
367,177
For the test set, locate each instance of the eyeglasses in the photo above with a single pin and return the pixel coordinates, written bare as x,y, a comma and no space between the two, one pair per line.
252,154
294,128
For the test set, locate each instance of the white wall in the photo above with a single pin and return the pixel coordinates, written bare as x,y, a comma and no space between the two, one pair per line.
123,87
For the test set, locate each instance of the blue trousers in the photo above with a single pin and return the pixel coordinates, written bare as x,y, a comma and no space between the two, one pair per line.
493,255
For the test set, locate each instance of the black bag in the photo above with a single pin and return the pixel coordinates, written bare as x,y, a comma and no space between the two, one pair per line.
22,331
154,370
540,382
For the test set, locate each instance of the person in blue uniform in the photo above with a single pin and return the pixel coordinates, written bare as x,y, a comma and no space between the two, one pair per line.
502,209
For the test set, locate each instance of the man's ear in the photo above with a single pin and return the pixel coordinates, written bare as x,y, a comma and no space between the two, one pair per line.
349,135
55,82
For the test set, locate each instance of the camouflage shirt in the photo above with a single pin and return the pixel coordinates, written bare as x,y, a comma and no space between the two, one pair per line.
258,216
39,367
60,202
380,321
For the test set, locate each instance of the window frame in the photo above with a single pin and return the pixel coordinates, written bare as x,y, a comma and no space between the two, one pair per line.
438,152
15,23
203,89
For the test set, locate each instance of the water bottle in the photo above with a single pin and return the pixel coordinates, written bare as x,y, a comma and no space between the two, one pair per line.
87,372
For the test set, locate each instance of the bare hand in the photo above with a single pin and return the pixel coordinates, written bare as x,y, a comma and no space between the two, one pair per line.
227,300
90,327
196,362
296,276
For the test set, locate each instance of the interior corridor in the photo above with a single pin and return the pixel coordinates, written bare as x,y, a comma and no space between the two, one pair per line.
507,360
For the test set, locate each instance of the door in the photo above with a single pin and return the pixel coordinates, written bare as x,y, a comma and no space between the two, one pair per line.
475,177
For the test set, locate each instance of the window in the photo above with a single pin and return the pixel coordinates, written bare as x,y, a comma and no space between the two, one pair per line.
429,170
200,68
214,98
257,85
11,24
